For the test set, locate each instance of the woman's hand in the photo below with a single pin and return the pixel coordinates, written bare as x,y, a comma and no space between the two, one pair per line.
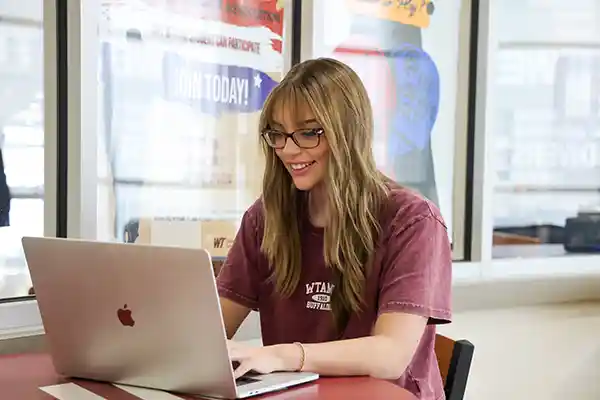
263,360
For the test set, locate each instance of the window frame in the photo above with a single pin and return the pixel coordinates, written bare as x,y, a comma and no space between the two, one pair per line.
579,270
20,317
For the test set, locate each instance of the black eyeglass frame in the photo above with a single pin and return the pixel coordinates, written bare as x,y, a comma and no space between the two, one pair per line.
318,131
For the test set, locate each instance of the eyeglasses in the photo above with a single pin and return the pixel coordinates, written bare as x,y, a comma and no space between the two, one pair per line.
303,138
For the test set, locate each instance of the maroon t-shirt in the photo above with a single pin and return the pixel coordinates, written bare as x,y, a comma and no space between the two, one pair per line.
411,273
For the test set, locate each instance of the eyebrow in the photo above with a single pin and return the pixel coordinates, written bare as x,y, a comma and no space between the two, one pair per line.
305,122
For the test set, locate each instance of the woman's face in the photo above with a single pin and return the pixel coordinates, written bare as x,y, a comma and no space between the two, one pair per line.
307,166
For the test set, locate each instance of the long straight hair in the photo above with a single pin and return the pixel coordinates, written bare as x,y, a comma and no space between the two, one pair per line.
355,189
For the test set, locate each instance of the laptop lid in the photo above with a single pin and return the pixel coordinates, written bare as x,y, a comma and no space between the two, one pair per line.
130,313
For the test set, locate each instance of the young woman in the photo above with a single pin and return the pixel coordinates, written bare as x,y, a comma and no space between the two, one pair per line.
350,272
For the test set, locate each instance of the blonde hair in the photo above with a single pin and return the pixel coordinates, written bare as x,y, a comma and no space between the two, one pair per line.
355,189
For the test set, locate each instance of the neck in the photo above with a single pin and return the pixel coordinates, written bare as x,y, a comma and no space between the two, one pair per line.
317,206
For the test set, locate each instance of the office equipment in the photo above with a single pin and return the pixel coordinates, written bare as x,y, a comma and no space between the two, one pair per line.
138,315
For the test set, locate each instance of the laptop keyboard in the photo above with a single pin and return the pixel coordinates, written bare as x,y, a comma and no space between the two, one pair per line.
246,378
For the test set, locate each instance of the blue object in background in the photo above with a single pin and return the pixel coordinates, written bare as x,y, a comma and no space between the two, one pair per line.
215,88
417,86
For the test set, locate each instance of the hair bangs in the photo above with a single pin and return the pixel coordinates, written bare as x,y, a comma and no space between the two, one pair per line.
289,97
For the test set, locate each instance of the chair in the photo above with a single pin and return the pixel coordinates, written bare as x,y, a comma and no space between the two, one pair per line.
454,359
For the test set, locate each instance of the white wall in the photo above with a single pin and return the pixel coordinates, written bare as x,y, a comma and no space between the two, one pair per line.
250,329
546,352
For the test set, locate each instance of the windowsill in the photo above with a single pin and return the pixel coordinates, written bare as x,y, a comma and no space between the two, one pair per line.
36,330
505,283
500,283
526,269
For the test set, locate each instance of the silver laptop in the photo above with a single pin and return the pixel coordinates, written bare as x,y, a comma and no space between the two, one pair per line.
138,315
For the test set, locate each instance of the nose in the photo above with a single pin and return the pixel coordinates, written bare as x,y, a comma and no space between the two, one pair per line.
290,148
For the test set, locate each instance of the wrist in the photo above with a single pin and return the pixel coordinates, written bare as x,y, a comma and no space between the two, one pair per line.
291,356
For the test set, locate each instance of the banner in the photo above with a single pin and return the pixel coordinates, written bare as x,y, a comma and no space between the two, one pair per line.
182,100
247,13
215,88
384,45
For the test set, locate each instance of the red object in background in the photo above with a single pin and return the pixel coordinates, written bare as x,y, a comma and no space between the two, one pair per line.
248,13
374,68
277,45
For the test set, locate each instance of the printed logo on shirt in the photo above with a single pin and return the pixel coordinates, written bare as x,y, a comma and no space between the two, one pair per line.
319,294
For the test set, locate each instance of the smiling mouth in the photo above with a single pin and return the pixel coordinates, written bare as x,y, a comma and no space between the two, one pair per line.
300,167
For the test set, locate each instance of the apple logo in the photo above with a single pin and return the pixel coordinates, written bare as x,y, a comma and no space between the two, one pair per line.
124,315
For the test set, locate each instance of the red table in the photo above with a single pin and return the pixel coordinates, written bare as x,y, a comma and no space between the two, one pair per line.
22,375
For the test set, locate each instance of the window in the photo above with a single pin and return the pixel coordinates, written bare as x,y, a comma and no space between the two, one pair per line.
543,122
21,137
178,145
408,56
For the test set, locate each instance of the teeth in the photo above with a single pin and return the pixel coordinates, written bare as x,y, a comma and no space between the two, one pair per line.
300,166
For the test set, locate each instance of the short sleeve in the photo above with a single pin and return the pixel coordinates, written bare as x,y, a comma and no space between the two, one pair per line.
416,276
239,277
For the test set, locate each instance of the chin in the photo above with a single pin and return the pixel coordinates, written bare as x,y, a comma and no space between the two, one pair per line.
303,188
303,184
